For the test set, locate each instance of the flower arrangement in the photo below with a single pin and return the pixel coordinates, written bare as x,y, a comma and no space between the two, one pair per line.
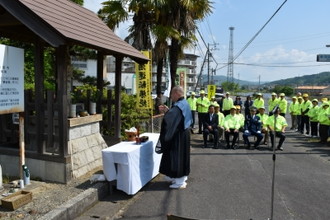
76,95
85,92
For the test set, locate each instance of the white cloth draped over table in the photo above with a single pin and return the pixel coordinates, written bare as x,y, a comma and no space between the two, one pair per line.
136,164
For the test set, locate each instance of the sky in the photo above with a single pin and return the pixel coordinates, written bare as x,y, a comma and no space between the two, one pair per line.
285,48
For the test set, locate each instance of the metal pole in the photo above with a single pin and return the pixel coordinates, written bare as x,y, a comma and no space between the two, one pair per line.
208,64
273,177
21,144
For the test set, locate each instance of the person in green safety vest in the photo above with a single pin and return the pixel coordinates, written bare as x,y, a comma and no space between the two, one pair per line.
324,120
294,110
202,104
213,101
313,117
231,126
240,116
272,102
300,99
276,125
221,120
283,104
259,101
192,101
227,103
263,118
305,106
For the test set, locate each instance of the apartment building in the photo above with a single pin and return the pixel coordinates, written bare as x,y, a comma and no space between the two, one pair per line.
187,66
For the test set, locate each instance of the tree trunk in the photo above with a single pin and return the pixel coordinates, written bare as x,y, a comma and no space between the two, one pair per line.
159,76
174,54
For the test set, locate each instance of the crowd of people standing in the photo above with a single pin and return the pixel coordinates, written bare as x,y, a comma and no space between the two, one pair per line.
224,118
308,117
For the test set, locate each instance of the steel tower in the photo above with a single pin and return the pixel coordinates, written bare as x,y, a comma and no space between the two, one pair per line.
230,71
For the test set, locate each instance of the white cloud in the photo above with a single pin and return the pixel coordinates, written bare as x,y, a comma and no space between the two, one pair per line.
278,63
281,55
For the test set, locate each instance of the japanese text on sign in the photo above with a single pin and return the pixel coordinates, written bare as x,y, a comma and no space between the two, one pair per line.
11,79
210,91
143,83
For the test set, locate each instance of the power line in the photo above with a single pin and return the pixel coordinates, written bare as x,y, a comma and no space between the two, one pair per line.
210,30
201,37
252,39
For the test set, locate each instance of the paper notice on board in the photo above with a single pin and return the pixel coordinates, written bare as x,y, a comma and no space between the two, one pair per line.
11,79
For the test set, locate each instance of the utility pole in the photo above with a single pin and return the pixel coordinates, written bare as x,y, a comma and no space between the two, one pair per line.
212,74
207,58
208,64
230,71
210,71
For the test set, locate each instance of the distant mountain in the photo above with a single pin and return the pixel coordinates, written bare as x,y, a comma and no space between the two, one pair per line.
320,79
218,79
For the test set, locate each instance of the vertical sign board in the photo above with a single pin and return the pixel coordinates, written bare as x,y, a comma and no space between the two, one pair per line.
211,91
182,74
143,83
11,79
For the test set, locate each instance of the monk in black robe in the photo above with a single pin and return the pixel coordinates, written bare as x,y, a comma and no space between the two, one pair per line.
175,140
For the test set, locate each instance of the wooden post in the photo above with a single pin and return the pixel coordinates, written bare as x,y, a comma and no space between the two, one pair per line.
21,144
50,119
62,61
109,107
100,66
39,95
117,123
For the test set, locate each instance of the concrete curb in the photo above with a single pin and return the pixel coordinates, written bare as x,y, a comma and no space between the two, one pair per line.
77,205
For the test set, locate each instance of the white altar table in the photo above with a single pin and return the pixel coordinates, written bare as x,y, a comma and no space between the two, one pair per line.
132,165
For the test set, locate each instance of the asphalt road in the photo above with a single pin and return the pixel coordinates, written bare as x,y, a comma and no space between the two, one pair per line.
235,184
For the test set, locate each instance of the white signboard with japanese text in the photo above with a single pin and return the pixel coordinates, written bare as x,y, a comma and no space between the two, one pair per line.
11,79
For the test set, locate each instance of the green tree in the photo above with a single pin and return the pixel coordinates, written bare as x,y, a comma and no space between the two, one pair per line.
287,90
230,86
173,20
182,16
79,2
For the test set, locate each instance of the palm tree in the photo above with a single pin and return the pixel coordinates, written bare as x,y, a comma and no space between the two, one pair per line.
116,11
144,18
165,20
183,16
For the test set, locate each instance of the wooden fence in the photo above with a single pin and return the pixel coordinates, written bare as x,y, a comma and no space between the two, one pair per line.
42,129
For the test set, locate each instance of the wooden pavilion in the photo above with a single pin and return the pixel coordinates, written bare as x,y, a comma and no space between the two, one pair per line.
58,24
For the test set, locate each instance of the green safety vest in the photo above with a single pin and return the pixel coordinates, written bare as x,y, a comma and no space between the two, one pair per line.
241,119
232,122
294,108
283,105
221,118
227,103
258,103
214,103
203,105
313,113
305,105
263,119
280,122
299,108
272,103
324,116
192,103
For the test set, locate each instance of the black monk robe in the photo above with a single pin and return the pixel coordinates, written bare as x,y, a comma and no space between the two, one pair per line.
175,141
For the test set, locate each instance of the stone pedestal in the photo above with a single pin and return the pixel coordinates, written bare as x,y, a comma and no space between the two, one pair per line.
85,144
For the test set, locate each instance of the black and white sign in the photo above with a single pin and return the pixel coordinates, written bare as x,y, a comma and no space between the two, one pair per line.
11,79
